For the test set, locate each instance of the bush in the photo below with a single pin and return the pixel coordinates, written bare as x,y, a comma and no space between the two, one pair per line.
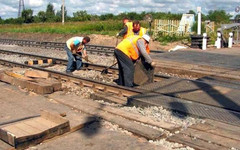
164,39
195,27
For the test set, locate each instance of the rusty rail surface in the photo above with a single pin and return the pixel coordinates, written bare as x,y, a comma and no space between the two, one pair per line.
111,70
106,87
92,49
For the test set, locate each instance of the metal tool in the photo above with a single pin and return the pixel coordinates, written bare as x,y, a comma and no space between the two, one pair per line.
83,57
105,71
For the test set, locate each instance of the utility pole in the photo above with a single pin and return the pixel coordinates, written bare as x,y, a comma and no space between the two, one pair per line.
21,8
199,20
63,12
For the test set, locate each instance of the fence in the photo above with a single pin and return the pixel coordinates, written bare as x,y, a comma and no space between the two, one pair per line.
210,27
166,27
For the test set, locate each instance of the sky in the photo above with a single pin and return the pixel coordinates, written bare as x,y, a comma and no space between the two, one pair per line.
9,8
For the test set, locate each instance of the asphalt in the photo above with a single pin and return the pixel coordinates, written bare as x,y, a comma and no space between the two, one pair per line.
225,57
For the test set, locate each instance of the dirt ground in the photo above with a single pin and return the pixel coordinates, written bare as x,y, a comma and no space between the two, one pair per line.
96,39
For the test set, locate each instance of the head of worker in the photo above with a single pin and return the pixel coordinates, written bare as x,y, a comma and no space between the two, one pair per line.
85,40
79,45
146,38
125,20
136,26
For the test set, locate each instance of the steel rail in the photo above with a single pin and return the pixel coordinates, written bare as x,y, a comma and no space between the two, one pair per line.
96,85
112,70
107,50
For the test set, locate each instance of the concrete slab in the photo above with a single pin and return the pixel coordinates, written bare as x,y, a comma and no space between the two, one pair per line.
226,60
173,86
218,96
186,107
215,96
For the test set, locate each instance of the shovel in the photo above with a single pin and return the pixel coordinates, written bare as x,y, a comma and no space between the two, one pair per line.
83,57
105,71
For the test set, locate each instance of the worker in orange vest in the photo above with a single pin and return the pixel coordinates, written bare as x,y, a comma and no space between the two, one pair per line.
131,28
127,52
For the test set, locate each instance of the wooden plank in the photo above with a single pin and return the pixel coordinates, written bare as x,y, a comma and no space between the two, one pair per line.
57,86
80,121
35,130
53,117
16,75
37,87
36,124
26,128
45,123
108,97
128,115
219,140
8,138
194,143
219,128
15,131
36,74
137,129
5,146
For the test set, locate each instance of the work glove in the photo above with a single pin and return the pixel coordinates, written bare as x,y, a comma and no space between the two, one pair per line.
153,64
86,58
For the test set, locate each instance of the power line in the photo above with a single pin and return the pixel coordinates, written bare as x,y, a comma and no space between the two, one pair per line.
21,8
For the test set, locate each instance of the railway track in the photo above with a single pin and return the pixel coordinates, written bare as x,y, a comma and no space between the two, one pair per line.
120,90
92,49
111,70
221,132
179,69
125,91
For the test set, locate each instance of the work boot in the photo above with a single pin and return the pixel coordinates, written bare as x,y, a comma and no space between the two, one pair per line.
116,81
69,73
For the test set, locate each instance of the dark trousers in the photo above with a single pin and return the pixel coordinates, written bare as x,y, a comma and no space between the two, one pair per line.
125,67
73,65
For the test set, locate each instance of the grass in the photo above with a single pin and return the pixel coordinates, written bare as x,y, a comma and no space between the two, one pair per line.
110,27
164,39
89,27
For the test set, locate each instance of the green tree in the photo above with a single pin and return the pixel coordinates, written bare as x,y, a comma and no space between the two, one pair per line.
13,21
50,13
27,15
42,16
59,14
237,18
219,16
106,16
1,20
81,16
191,12
94,17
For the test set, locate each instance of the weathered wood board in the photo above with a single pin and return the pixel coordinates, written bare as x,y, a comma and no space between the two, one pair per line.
210,135
33,131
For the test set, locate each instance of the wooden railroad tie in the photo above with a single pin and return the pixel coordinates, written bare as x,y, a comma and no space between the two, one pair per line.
40,62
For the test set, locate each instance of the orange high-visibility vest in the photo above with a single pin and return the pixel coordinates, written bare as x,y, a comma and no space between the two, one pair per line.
129,47
142,31
130,30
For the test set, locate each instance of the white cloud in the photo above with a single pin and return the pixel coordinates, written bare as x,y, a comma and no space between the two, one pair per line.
34,3
8,11
118,6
